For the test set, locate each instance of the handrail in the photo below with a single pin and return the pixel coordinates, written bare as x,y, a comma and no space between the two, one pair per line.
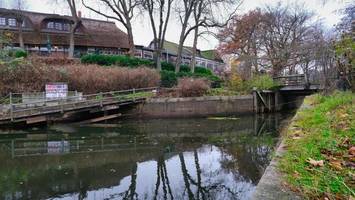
83,96
84,100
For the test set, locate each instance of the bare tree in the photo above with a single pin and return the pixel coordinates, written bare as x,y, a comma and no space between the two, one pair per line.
158,10
19,6
205,14
285,28
122,11
76,23
184,13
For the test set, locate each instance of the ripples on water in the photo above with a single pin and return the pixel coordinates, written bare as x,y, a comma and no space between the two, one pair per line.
150,159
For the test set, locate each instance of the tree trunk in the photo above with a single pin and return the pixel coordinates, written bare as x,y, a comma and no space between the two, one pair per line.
71,44
158,59
20,35
194,51
130,39
179,54
180,48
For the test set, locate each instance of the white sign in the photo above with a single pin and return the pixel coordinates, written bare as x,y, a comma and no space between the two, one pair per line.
56,90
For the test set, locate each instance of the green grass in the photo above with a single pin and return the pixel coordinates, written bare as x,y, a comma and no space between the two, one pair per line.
324,131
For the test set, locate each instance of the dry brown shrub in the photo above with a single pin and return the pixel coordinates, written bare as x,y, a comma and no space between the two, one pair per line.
54,60
27,77
193,87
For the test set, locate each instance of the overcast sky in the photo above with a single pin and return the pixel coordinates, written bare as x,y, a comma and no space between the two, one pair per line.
327,12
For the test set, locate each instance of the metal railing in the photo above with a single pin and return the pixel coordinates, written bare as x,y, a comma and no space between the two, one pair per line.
17,109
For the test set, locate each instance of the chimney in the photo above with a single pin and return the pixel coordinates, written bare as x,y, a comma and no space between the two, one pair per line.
79,14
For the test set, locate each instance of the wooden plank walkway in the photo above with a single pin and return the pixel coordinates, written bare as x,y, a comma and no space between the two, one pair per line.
104,101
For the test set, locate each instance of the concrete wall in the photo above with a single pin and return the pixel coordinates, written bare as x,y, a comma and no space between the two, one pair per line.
195,106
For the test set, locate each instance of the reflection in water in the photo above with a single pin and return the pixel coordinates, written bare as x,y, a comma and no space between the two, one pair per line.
154,159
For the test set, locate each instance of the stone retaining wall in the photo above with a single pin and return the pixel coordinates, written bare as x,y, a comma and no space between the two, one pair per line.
195,106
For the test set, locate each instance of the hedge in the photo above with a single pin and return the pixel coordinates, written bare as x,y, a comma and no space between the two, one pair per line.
108,60
168,76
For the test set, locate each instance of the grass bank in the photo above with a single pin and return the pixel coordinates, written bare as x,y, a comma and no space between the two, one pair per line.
319,160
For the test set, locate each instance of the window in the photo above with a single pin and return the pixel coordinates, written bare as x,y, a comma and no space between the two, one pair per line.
65,27
2,21
12,22
50,25
59,26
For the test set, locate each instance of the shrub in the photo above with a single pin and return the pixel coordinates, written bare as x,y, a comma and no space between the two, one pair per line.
93,78
185,68
21,54
193,87
235,82
202,70
26,77
167,66
54,60
168,78
108,60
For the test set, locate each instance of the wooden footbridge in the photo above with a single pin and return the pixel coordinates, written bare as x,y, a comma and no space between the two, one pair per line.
292,89
297,84
31,109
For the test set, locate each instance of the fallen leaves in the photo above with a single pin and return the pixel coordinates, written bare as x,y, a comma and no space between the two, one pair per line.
352,151
315,163
336,164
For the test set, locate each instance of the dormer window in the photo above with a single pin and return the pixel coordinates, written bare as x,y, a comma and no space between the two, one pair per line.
12,22
59,26
2,21
50,25
65,27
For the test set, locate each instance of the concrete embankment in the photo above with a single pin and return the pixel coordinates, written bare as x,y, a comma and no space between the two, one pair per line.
270,186
194,107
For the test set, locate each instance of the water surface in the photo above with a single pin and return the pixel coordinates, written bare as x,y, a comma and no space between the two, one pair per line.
152,159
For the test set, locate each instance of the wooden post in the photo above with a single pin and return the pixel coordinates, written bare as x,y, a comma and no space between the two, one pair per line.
11,108
62,104
255,98
101,97
134,92
12,148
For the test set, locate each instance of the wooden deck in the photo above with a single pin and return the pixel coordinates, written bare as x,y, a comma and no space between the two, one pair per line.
37,111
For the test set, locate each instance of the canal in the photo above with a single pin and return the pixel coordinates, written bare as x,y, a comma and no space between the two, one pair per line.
205,158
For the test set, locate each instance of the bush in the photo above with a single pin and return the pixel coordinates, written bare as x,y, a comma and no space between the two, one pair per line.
202,70
93,78
25,77
54,60
108,60
168,66
168,78
185,68
193,87
236,83
21,54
